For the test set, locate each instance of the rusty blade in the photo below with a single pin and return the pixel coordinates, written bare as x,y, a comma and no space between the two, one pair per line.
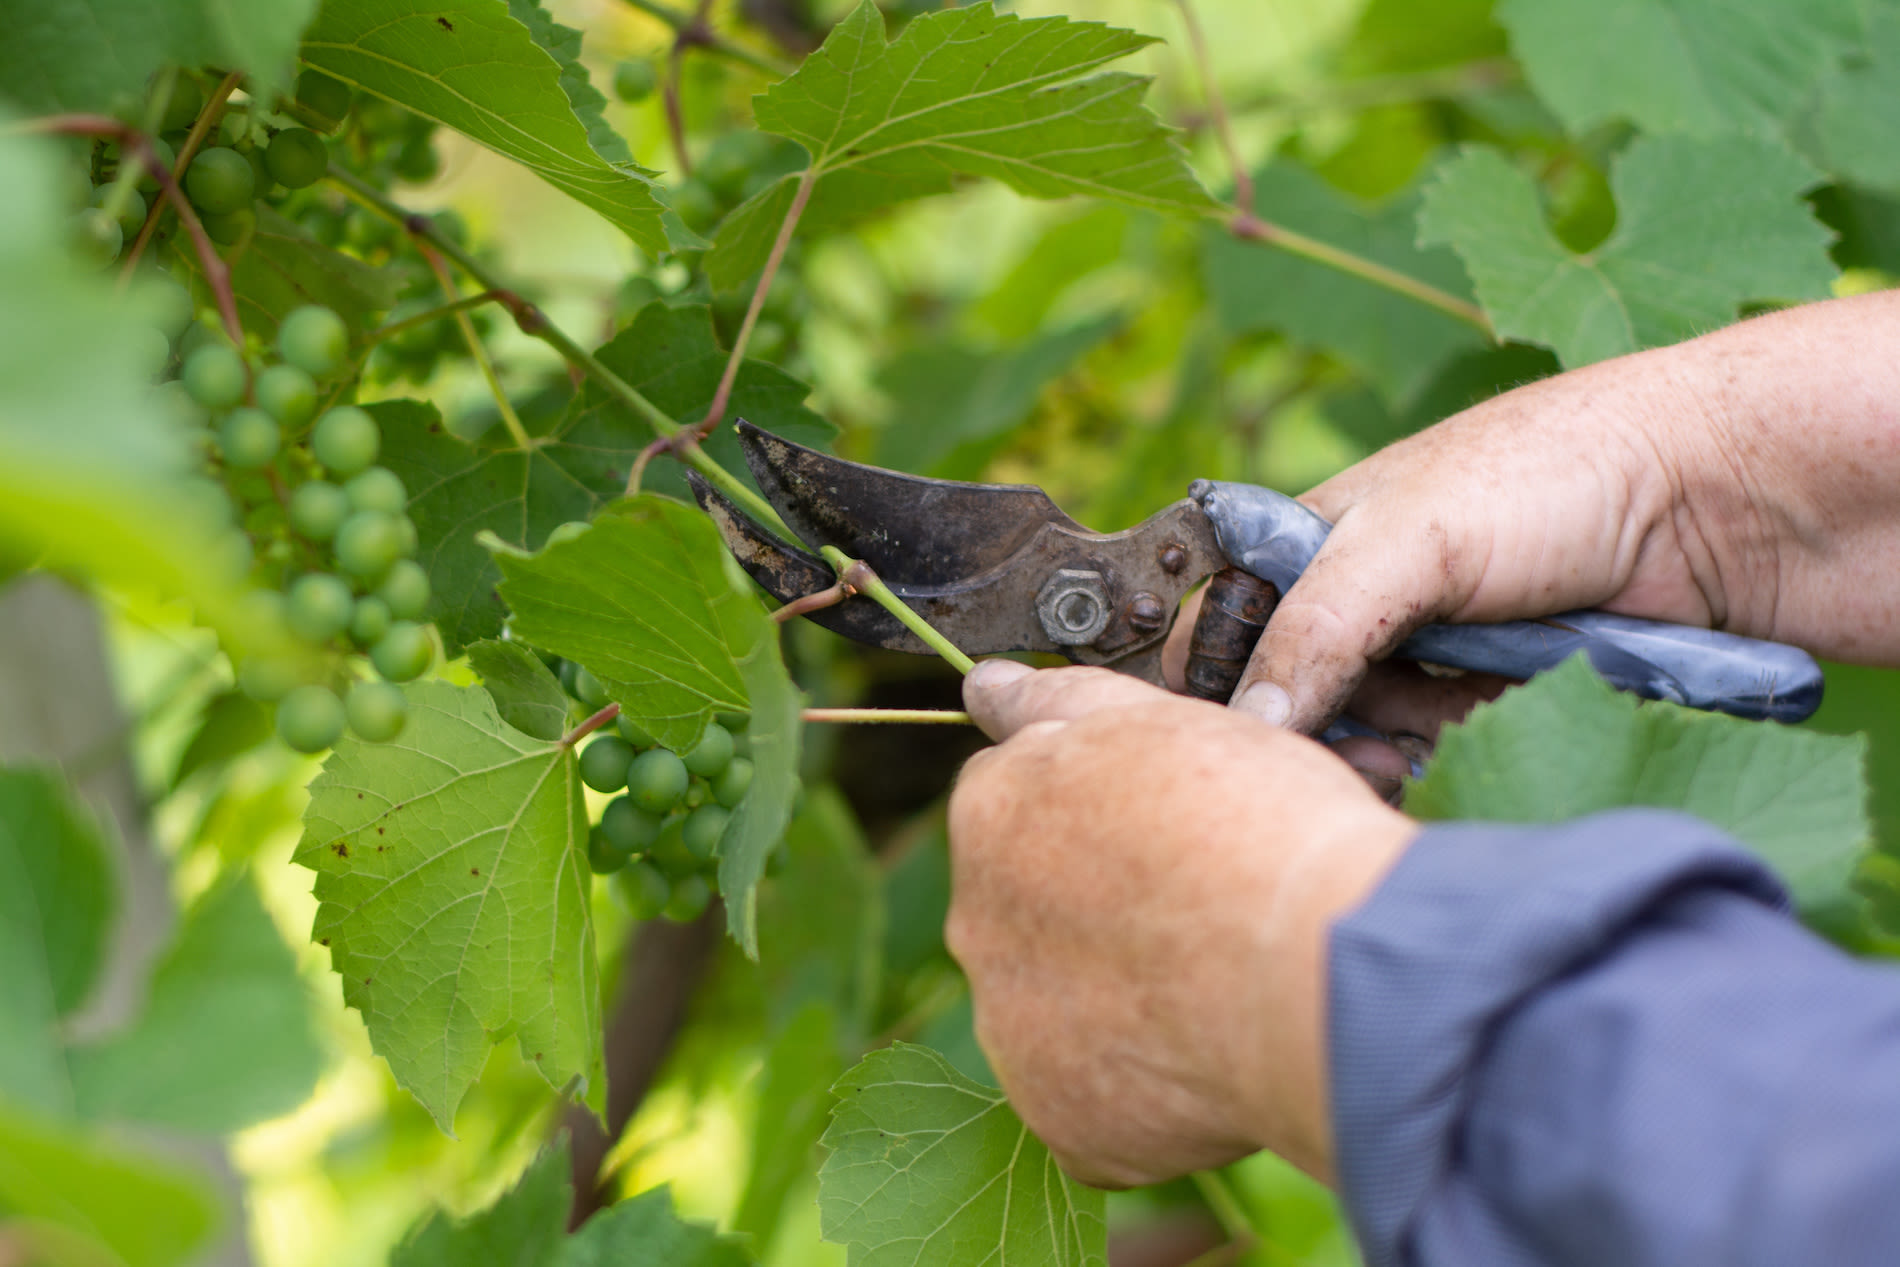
908,528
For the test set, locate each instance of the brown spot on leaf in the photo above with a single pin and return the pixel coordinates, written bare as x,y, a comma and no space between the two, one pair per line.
342,850
445,24
474,870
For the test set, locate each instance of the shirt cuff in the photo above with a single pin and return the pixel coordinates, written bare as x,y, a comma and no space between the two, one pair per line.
1472,921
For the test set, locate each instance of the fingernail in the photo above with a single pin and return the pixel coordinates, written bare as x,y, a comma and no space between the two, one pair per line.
1270,703
990,675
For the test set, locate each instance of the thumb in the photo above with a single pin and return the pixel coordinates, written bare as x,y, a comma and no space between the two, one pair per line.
1363,594
1004,696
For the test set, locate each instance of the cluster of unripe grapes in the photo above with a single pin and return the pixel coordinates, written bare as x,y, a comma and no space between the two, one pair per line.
334,541
659,838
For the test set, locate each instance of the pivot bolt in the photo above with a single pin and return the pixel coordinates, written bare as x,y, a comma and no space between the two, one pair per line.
1073,607
1173,557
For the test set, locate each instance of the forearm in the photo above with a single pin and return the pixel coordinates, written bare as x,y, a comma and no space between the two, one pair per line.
1791,492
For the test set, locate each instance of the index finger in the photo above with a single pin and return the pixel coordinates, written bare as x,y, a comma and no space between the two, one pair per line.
1004,696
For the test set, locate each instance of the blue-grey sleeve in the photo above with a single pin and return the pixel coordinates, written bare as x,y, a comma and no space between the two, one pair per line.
1608,1043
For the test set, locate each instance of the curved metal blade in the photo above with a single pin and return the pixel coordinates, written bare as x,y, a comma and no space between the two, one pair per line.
908,528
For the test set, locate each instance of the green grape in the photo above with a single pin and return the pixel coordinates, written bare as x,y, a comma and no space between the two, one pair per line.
712,754
378,488
320,607
260,171
635,79
231,229
566,532
406,538
732,785
287,394
97,237
234,127
604,763
704,826
170,303
323,96
164,156
568,673
220,181
266,679
405,590
313,339
131,217
588,690
310,718
644,890
603,855
631,732
346,440
297,157
404,653
690,897
317,509
377,711
199,335
629,827
657,781
370,621
416,162
151,350
214,375
182,107
367,543
175,400
697,794
248,438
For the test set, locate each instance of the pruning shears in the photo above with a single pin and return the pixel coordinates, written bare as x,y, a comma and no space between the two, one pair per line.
998,567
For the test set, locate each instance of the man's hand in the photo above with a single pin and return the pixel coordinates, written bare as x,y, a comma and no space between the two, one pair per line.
1142,890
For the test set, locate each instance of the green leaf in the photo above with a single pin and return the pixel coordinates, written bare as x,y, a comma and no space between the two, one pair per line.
233,723
950,398
929,1167
1396,342
473,65
282,268
823,917
225,1038
1705,67
962,92
644,1231
526,695
453,893
650,602
1702,227
57,900
580,461
109,1203
1567,744
97,54
1849,130
794,1095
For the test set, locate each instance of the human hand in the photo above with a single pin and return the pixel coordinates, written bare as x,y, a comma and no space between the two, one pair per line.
1741,481
1142,890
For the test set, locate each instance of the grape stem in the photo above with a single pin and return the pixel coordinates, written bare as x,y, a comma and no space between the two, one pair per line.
889,716
693,30
532,321
715,414
131,140
194,140
590,725
394,328
126,181
858,575
1227,1210
824,598
476,351
683,38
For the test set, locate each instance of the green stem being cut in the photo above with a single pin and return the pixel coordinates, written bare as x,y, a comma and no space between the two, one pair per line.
889,716
859,576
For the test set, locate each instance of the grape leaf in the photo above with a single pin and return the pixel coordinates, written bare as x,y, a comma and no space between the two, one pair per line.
1397,342
282,268
57,900
233,723
526,695
527,1227
225,1038
98,54
1704,67
961,92
108,1203
794,1093
928,1167
453,891
650,602
474,66
579,462
1849,130
1702,226
1567,744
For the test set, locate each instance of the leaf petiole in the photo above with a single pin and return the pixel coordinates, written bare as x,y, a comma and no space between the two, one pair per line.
858,575
889,716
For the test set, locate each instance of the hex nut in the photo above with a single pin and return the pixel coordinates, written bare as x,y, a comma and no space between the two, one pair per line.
1073,607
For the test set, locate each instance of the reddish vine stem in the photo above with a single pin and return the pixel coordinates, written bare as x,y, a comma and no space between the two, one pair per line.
130,139
694,32
814,602
1217,109
717,411
589,726
200,128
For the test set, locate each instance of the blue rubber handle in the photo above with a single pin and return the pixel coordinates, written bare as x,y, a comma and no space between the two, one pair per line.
1274,537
